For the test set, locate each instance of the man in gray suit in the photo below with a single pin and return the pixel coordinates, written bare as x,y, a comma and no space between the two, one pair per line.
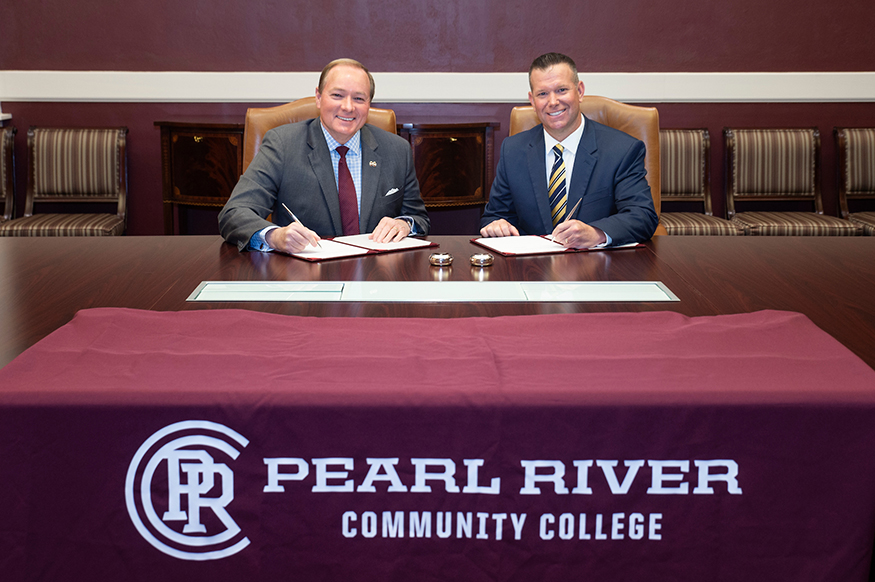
336,174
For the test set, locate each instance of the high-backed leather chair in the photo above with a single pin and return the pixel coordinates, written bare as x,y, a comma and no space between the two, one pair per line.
778,165
639,122
260,120
856,172
7,172
685,178
74,166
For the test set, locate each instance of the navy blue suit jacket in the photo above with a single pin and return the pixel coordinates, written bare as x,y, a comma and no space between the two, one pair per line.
609,176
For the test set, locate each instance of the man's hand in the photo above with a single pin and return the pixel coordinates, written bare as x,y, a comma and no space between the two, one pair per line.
293,238
390,230
578,235
499,227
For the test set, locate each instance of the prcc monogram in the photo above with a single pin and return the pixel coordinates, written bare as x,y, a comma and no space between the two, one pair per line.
173,482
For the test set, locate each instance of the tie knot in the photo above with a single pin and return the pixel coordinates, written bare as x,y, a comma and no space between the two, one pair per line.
342,151
557,149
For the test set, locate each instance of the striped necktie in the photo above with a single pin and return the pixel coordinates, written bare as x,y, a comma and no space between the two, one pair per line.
556,188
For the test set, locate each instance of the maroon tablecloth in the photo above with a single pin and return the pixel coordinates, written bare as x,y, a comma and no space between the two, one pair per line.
233,445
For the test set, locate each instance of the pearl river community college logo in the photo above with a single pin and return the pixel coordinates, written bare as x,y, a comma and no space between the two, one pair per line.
180,484
177,490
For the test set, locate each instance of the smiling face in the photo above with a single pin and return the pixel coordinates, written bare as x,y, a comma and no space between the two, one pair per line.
344,101
556,95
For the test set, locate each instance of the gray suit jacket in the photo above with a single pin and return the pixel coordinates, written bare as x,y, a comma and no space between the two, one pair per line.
293,167
609,177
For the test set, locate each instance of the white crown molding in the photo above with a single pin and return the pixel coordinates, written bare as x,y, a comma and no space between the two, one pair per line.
255,87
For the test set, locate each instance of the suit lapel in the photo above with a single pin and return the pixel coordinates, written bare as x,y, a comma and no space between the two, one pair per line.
371,164
584,162
320,162
538,174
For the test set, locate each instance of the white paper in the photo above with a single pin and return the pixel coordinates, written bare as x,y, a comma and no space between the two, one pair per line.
522,245
362,240
330,250
535,245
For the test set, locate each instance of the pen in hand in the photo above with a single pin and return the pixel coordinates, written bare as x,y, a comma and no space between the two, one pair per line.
573,210
567,218
295,218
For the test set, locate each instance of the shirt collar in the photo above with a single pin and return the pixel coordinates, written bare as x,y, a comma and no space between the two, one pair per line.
569,143
354,144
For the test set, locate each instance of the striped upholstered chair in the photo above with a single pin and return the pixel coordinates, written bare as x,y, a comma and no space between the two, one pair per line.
778,165
74,166
856,170
7,172
685,175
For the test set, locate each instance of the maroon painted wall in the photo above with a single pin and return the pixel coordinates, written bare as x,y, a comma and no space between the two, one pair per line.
424,35
420,35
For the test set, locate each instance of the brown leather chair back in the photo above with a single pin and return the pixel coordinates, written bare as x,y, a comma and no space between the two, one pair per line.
639,122
260,120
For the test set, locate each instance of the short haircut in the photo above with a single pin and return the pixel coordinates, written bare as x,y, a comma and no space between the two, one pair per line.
547,60
350,63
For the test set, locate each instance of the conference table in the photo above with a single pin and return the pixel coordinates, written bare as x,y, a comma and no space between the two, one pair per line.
725,434
43,282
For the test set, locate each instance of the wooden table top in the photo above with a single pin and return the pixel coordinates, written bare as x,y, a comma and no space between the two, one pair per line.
44,281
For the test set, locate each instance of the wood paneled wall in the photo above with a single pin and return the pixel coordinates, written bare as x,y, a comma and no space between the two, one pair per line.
420,35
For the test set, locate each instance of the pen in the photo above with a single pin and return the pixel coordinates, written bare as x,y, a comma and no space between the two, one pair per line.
295,218
567,217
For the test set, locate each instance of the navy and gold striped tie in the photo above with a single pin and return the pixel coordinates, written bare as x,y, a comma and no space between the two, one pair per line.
556,188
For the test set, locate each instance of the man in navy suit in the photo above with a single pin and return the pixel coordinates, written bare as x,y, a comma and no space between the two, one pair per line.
598,166
301,165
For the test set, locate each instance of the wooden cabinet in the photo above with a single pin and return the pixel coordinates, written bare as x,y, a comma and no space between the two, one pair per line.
201,161
454,162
